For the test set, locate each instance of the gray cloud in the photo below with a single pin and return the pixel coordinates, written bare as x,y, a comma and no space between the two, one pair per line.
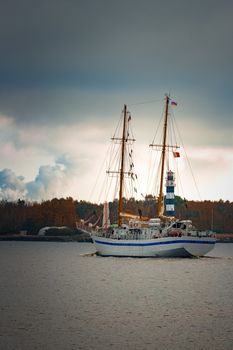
52,45
65,42
74,63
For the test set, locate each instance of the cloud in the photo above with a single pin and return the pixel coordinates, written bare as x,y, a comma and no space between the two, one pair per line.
206,173
12,187
97,43
63,61
51,181
5,121
68,66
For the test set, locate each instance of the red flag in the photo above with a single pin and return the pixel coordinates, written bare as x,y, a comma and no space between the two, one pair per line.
176,154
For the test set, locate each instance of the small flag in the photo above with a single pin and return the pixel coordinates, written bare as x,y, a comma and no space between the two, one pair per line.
176,154
173,103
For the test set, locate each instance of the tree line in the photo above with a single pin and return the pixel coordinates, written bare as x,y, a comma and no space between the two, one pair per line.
31,217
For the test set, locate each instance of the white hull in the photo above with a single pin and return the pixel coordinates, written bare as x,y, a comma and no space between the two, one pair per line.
185,246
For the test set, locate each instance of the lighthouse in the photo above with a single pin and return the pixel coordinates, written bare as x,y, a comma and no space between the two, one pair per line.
170,194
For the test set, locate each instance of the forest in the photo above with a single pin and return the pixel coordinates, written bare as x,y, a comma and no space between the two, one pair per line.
30,217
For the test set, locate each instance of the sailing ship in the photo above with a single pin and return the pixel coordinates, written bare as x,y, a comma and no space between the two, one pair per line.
162,236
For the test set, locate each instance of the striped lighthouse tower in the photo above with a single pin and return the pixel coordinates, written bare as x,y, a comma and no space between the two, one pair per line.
170,195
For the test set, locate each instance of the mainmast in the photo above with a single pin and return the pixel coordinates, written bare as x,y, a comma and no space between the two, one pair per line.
160,199
123,140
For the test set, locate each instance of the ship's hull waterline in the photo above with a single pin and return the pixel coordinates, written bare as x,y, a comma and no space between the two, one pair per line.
185,246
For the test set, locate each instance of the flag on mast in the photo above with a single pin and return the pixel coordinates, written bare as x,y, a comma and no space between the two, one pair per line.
176,154
173,103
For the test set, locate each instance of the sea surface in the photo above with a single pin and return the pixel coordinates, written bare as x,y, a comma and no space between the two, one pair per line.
55,296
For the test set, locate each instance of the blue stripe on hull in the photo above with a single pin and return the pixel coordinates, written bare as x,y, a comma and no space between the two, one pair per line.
153,243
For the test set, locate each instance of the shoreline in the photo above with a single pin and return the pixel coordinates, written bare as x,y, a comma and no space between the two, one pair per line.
35,238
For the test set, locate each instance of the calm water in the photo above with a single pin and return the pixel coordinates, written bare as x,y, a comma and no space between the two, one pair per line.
54,297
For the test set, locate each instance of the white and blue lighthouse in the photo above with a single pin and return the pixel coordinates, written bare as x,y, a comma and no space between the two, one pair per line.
170,194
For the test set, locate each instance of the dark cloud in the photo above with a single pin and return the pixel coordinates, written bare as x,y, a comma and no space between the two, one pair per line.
69,60
86,42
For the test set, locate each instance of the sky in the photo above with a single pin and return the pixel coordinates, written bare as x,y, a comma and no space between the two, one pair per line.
67,67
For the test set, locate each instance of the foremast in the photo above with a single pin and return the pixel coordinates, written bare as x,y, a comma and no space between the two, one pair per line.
125,141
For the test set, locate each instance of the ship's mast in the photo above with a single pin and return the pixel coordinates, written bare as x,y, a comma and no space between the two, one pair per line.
160,199
123,140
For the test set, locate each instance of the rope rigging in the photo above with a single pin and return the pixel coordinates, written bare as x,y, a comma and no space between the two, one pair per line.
112,160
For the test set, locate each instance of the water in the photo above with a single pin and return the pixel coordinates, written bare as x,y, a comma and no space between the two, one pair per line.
54,297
